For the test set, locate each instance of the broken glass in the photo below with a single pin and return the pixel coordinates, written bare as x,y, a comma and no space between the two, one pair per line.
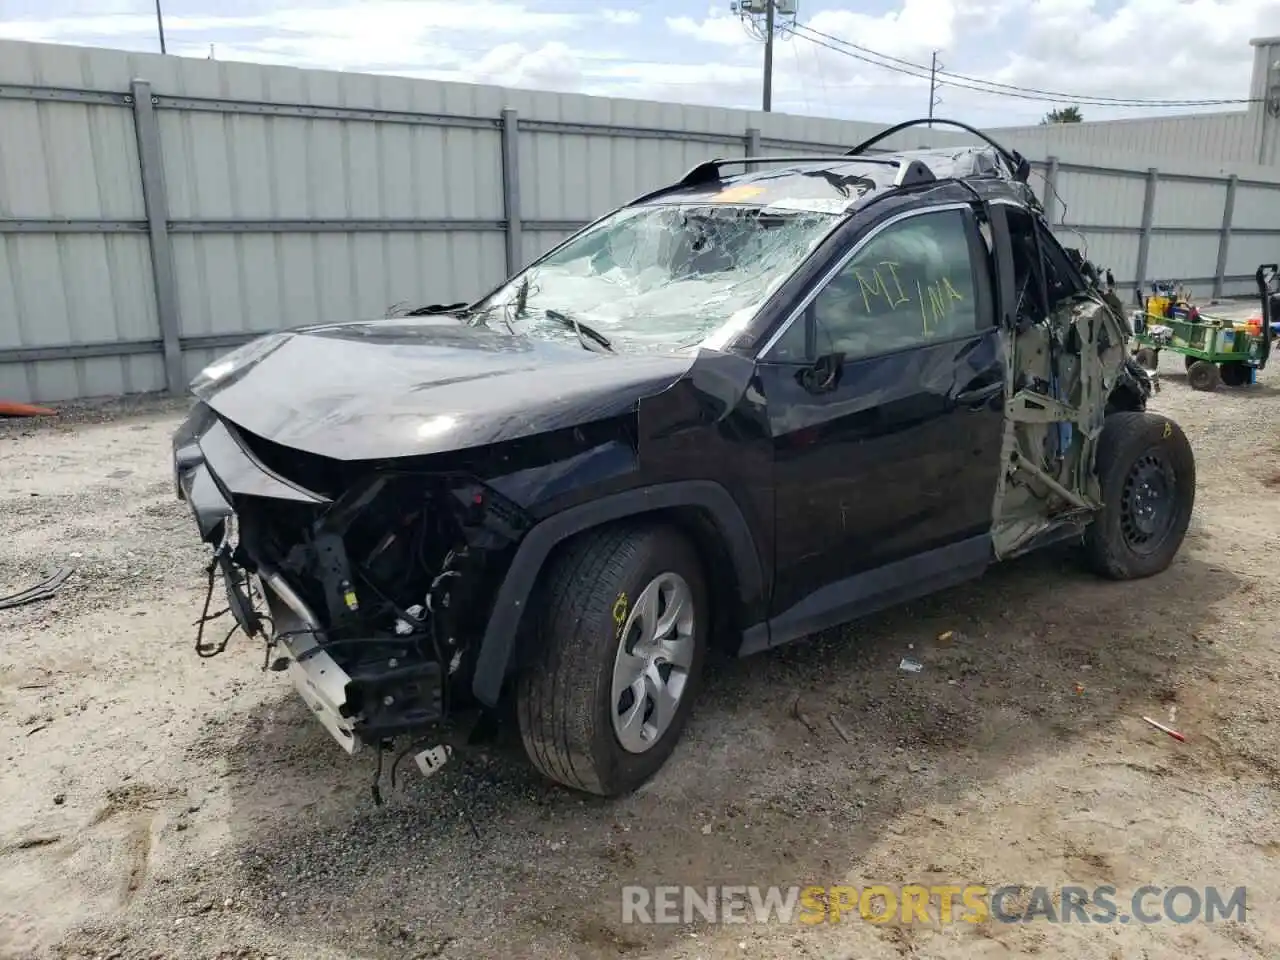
661,276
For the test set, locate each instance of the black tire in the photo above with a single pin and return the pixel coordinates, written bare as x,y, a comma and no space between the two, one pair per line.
1188,360
1148,358
1203,375
1125,541
564,695
1234,374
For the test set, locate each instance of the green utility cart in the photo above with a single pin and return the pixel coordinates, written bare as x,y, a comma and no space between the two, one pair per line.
1221,342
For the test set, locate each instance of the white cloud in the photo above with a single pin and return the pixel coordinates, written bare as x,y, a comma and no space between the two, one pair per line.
370,23
623,18
552,66
719,27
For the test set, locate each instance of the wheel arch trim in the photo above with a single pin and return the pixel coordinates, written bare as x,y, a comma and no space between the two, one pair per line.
512,596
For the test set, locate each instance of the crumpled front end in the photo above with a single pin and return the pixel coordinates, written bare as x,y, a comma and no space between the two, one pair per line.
367,586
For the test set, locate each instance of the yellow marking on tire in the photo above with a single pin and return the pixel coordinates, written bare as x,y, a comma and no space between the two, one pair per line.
620,608
1168,430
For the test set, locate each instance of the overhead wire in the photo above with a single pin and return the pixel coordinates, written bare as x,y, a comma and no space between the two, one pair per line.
962,81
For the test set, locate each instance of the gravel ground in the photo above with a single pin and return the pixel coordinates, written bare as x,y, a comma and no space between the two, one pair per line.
155,805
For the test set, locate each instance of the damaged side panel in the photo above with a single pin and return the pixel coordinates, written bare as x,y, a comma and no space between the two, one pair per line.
1067,368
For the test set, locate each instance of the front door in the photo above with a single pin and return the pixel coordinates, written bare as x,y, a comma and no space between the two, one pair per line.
884,399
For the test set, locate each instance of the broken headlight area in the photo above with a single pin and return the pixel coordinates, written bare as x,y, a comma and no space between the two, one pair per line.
372,602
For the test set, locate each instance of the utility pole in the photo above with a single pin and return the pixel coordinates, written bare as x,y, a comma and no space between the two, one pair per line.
934,67
160,26
768,55
763,19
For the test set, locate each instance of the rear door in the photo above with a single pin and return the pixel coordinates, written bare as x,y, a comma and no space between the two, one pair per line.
884,400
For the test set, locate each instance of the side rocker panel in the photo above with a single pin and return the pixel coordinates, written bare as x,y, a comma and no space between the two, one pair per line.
500,633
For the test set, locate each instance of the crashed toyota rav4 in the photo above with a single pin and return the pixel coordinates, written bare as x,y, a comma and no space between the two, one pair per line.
759,402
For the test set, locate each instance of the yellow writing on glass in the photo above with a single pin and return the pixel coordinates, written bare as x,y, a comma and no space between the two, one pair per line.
937,301
875,290
881,287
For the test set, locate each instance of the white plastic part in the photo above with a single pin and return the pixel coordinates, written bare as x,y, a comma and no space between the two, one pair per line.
431,760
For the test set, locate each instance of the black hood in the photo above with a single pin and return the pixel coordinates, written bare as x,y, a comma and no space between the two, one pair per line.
408,387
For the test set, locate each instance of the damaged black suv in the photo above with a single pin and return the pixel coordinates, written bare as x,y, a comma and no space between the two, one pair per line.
738,410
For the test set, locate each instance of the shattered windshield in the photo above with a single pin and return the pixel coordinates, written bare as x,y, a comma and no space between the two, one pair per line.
659,276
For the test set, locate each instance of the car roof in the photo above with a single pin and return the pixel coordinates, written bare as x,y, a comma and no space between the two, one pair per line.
840,185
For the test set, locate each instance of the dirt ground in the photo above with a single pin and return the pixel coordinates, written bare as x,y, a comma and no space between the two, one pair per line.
156,805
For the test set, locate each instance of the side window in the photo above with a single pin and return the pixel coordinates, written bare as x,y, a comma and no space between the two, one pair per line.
911,284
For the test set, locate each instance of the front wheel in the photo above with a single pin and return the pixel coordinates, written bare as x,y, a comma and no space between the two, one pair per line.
1203,375
622,635
1147,472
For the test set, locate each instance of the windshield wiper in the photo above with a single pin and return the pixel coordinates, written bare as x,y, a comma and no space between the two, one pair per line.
586,335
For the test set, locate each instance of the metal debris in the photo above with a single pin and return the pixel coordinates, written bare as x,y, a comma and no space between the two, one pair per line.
799,715
41,591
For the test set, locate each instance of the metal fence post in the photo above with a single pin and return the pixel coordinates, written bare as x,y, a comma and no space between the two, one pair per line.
1051,191
1224,237
156,204
1144,240
511,189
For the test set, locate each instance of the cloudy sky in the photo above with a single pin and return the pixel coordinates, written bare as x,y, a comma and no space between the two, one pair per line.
693,52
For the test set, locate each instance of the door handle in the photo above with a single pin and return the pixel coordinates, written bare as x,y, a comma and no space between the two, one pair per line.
979,397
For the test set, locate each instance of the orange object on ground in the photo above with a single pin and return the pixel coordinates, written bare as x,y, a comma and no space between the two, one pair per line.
11,408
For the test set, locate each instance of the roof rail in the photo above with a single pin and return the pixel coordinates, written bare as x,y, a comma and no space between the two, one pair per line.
909,173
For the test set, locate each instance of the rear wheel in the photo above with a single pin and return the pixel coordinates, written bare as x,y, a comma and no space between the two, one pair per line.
1203,375
1147,472
1234,374
622,637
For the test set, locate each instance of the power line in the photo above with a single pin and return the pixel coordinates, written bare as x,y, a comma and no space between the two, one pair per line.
922,71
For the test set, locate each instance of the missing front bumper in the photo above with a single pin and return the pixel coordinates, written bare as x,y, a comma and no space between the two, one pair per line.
363,689
316,676
388,691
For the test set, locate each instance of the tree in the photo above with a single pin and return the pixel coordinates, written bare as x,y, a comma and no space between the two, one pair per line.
1062,115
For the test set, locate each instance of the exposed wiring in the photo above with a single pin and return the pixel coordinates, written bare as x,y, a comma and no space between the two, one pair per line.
207,652
429,631
1062,217
411,748
922,72
202,651
376,786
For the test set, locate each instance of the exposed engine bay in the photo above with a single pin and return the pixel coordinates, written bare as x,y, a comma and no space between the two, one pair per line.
371,598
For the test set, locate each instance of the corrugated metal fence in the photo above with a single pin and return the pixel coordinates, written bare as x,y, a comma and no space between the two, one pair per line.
142,233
